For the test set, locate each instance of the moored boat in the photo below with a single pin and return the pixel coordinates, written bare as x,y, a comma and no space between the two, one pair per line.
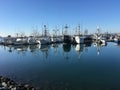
116,40
66,36
21,41
32,40
79,38
45,38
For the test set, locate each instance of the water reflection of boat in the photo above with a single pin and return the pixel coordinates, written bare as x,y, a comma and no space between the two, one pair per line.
44,47
55,45
66,47
98,46
88,44
9,48
79,49
21,47
79,38
33,48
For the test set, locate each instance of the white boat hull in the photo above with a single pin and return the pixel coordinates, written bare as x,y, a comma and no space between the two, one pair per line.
79,39
44,41
116,40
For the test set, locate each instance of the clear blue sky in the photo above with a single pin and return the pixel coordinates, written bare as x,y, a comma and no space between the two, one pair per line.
23,15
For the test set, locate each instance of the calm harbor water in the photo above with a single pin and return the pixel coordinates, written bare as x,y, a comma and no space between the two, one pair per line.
63,67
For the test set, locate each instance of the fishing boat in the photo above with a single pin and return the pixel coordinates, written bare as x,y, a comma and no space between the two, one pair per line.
79,38
99,38
55,39
117,40
32,40
45,39
21,41
66,36
9,40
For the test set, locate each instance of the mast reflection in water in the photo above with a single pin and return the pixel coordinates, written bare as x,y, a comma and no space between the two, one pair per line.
63,66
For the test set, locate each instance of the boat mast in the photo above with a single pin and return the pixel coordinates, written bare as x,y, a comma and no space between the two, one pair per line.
55,31
98,30
66,28
78,29
45,31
